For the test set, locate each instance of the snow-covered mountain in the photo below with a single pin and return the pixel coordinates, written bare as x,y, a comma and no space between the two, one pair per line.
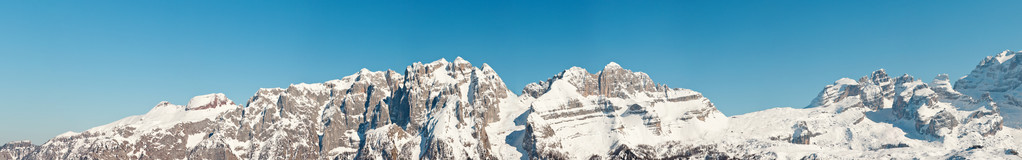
579,115
998,77
454,110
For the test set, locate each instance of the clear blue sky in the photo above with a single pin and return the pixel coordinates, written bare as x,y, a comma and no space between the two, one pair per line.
73,65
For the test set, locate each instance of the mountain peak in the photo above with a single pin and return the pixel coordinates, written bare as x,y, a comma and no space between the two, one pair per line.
1004,56
1000,58
612,65
440,61
208,101
459,60
942,77
880,71
364,71
879,76
486,67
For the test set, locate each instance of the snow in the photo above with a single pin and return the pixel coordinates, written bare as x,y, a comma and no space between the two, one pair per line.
1004,56
67,134
308,86
163,116
194,139
442,61
508,132
846,81
441,76
486,67
842,135
199,101
560,93
611,65
459,60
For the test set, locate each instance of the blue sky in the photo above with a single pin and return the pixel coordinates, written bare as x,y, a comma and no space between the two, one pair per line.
73,65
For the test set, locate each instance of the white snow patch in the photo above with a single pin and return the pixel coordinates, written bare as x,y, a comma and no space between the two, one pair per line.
1004,56
194,139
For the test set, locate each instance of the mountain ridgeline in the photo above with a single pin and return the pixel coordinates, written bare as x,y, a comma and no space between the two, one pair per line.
455,110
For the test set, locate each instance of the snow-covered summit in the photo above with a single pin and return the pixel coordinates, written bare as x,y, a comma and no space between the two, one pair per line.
612,65
1003,56
208,101
612,81
873,92
165,114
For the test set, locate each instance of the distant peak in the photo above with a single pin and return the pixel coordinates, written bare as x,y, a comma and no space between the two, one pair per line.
846,81
364,71
208,101
879,76
440,61
576,69
20,142
942,77
163,103
459,60
1004,56
1006,52
67,134
906,78
612,65
573,72
486,67
880,71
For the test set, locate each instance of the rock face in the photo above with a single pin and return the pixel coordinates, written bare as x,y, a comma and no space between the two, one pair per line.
873,92
17,149
881,117
429,112
935,108
997,77
802,134
438,110
454,110
580,115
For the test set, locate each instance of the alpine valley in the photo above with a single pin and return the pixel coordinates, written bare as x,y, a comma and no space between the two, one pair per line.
457,110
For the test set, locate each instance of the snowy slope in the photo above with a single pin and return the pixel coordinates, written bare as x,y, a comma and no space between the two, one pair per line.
166,131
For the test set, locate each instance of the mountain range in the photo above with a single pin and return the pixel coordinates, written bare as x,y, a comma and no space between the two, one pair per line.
456,110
